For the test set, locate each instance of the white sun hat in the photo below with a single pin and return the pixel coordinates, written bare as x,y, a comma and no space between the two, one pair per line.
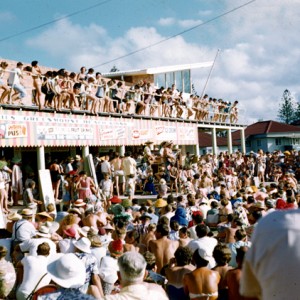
67,270
83,244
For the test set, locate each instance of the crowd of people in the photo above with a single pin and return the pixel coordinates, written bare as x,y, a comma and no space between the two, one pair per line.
91,92
208,234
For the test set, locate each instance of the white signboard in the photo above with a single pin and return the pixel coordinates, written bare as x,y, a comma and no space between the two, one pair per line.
46,188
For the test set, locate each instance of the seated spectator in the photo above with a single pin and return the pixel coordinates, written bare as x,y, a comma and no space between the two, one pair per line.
175,271
201,283
7,274
132,266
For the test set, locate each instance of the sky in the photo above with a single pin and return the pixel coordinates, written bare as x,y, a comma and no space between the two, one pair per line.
258,40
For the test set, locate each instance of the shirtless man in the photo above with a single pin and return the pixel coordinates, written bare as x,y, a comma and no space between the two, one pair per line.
116,166
162,247
92,220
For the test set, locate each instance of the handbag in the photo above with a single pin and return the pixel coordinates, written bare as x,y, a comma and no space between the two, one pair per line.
29,297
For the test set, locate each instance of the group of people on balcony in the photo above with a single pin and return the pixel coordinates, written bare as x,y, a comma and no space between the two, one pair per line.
90,91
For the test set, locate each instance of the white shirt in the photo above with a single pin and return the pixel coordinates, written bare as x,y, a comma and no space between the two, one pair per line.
207,244
129,166
14,76
23,230
271,265
32,245
34,268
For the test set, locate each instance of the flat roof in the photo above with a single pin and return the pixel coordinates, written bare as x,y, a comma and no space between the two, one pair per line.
158,70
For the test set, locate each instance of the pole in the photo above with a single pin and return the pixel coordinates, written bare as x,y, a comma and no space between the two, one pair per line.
210,72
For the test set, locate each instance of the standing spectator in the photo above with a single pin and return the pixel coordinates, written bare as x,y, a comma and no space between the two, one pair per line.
16,181
84,186
55,173
15,83
129,168
3,86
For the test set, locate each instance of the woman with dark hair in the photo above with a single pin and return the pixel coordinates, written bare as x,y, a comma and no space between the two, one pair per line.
55,173
37,83
201,283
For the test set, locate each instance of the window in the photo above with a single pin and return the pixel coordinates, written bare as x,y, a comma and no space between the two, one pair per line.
160,80
248,144
178,80
277,142
258,143
186,81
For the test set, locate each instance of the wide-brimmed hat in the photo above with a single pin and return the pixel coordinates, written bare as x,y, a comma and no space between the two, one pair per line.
169,143
71,232
14,216
160,203
44,232
45,214
16,160
83,244
84,230
148,142
26,212
79,203
53,226
115,199
70,158
67,270
95,241
145,215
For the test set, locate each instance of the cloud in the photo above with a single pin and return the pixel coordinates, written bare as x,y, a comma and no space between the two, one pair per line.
188,23
259,57
166,21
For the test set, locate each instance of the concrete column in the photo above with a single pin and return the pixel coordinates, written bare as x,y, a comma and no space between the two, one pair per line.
41,158
121,150
229,141
243,141
196,150
214,140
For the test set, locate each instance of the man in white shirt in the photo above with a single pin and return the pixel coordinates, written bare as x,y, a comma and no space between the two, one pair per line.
204,242
14,82
129,167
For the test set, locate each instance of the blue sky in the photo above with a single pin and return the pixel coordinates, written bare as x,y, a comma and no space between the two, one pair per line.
259,43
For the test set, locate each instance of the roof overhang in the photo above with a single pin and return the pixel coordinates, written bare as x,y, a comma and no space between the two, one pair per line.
159,70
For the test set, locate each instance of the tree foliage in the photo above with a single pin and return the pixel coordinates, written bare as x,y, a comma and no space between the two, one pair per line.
287,112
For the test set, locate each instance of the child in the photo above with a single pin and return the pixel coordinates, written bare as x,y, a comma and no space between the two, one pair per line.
162,188
106,185
131,186
149,187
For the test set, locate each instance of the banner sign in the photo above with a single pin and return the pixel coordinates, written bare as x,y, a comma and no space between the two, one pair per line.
33,129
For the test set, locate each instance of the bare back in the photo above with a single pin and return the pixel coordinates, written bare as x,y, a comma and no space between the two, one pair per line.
164,250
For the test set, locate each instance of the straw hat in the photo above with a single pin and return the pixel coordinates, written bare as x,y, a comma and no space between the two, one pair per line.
83,244
67,270
74,210
14,216
148,143
26,212
79,203
160,203
95,241
84,230
45,214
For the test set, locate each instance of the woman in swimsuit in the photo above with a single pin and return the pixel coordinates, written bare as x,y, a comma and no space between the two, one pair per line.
201,284
37,83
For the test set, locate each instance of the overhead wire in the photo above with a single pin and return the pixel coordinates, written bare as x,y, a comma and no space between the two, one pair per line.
175,35
53,21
